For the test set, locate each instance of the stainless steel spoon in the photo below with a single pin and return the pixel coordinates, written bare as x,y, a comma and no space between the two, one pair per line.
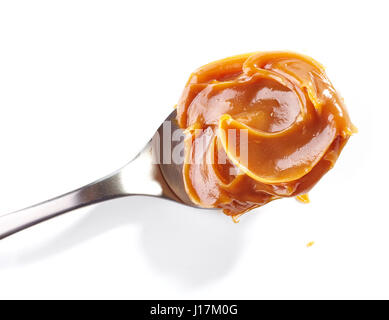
147,174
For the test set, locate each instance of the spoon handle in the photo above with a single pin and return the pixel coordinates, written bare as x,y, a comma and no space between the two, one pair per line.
102,190
137,178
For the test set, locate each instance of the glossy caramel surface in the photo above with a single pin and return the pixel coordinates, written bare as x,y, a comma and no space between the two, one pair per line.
259,127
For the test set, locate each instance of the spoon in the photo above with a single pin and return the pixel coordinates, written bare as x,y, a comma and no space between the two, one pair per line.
151,173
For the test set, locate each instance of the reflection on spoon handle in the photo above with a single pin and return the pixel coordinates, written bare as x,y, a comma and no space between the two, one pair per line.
102,190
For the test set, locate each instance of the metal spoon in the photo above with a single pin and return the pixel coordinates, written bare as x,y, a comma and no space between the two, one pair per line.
147,174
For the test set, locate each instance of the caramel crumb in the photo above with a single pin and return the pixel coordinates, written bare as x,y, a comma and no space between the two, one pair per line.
310,244
304,198
354,129
236,218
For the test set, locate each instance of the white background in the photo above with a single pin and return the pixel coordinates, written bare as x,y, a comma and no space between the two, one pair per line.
83,86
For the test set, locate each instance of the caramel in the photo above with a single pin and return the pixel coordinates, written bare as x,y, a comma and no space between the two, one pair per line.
288,122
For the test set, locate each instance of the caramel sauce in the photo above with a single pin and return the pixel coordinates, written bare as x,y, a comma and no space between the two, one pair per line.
289,126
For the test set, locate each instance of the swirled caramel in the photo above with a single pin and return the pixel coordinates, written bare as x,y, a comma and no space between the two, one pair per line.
259,127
